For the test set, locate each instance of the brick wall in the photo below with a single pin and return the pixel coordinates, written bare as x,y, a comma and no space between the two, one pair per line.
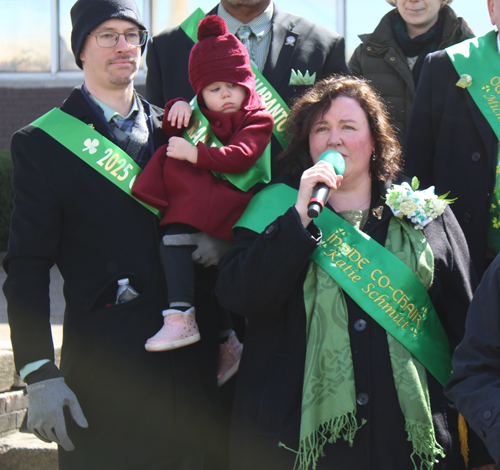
20,106
13,407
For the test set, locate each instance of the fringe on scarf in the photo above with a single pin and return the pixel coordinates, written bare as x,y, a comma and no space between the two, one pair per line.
311,447
424,443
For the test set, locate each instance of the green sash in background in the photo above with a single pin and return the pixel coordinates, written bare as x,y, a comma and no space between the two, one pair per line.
477,61
275,104
199,130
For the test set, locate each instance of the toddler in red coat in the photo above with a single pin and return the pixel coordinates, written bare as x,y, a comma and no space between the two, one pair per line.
179,180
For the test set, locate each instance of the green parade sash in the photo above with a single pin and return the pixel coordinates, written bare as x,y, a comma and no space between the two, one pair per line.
477,61
380,283
94,149
276,106
199,130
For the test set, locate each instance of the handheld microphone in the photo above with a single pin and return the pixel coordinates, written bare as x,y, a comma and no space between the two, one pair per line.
320,192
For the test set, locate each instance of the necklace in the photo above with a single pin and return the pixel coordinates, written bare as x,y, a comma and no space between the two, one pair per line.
365,204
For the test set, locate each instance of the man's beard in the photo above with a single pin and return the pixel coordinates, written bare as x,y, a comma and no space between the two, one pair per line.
120,77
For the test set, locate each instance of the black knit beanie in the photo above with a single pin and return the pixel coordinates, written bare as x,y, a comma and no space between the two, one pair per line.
87,14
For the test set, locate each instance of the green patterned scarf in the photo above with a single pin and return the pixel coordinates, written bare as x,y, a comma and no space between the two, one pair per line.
328,400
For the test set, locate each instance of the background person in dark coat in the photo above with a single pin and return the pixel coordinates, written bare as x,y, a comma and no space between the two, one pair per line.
267,277
286,42
450,144
129,409
475,383
391,57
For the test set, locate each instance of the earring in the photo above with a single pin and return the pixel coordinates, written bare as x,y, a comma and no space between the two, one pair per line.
374,157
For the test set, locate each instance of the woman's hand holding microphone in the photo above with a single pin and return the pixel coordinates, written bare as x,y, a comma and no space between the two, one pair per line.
313,195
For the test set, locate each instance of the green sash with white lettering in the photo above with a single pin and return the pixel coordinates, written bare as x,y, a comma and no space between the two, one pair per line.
477,61
199,130
94,149
381,284
276,106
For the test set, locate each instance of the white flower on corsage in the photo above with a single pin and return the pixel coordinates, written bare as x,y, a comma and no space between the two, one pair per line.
419,206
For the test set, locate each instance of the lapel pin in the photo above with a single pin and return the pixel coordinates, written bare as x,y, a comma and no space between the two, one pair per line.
377,212
465,81
290,41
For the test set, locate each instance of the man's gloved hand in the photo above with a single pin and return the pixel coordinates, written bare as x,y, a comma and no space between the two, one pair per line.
45,411
209,249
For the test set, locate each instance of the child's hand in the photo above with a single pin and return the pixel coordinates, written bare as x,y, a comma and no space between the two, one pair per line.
181,149
179,114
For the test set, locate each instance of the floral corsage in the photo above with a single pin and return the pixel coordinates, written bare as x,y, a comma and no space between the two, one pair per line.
419,206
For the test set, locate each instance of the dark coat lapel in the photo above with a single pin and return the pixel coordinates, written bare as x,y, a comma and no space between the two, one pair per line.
281,51
483,127
76,106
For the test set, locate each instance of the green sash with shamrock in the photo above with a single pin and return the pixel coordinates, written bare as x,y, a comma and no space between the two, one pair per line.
276,106
94,149
477,61
380,283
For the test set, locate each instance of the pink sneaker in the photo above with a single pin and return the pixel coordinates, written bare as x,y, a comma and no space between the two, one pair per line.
179,329
229,359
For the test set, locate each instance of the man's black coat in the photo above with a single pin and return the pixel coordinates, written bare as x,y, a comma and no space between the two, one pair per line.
449,144
141,407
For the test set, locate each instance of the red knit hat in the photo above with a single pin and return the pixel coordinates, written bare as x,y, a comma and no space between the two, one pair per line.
219,56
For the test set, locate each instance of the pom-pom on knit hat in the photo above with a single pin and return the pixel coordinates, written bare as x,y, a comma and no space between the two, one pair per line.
88,14
219,56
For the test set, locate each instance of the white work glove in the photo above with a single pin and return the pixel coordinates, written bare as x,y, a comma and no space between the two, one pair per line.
45,411
209,249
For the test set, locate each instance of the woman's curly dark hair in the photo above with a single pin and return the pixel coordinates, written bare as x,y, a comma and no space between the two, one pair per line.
315,102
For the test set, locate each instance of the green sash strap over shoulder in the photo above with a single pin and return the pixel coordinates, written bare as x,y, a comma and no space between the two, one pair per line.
381,284
94,149
477,62
273,101
190,24
199,130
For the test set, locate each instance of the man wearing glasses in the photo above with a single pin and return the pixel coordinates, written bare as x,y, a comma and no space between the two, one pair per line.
111,404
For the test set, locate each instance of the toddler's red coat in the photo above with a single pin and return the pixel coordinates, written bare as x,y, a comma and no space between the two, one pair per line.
191,194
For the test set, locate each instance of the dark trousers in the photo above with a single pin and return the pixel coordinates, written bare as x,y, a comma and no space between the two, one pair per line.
179,272
178,266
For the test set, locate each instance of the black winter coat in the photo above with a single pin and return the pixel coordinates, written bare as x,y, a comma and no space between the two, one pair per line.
380,60
140,406
450,144
475,383
261,277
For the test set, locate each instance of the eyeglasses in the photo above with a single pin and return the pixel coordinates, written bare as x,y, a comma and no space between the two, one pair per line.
110,38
